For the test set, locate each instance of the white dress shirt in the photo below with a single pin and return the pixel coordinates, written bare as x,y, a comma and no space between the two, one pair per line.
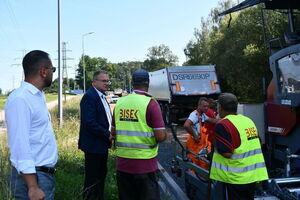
31,139
106,106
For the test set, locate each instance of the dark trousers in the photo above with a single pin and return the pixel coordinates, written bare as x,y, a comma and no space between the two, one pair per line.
138,186
240,191
95,173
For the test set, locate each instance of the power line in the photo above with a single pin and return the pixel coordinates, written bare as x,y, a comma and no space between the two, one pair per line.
14,21
24,51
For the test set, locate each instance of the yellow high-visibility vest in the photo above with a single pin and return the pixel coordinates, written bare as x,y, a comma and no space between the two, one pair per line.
134,138
247,164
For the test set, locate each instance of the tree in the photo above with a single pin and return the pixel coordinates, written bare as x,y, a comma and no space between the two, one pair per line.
122,77
238,51
159,57
0,91
92,65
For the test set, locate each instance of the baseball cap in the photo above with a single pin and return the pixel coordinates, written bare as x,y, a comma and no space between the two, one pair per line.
140,76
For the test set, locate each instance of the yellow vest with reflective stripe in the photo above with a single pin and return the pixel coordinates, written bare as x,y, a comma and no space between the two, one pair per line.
247,164
134,138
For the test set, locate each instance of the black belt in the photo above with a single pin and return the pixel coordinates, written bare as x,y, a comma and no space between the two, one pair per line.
50,170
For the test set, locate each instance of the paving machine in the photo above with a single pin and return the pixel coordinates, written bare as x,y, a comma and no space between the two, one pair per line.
282,119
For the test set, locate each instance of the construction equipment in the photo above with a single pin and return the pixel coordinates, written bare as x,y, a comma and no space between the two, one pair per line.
178,88
282,119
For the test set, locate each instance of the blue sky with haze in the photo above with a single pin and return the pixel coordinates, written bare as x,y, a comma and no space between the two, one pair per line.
124,30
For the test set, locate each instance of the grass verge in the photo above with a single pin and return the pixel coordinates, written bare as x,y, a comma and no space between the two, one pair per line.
2,101
70,166
4,168
49,97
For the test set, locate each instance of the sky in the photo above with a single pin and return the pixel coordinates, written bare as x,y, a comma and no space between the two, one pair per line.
123,30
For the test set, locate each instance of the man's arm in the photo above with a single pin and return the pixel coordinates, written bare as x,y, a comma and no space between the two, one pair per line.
226,155
160,135
34,192
210,117
18,119
223,144
212,120
88,117
188,127
113,129
155,121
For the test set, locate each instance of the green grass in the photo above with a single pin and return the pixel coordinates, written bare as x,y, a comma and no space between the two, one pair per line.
51,97
2,101
4,169
70,166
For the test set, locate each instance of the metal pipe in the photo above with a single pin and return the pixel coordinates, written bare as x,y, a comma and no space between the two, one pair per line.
291,20
285,180
60,105
288,163
295,156
83,60
297,190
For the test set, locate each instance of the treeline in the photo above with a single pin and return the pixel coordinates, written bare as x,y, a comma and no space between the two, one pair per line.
236,44
157,57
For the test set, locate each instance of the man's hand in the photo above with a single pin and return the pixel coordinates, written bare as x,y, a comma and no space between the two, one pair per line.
111,137
188,127
35,193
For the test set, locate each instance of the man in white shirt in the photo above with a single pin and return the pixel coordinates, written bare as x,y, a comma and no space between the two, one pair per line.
200,125
31,139
94,136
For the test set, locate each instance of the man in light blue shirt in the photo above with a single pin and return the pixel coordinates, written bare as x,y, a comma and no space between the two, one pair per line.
31,140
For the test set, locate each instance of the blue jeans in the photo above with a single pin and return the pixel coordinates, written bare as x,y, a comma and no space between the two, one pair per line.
19,188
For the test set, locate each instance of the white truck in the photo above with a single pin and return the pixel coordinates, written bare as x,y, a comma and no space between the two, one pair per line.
178,88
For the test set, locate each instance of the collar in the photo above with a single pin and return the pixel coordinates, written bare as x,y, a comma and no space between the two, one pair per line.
30,87
101,94
141,92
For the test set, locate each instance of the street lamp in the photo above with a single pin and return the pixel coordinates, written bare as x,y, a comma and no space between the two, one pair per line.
83,60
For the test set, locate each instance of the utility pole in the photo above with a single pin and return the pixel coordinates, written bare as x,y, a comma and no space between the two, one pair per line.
64,59
59,79
75,67
83,60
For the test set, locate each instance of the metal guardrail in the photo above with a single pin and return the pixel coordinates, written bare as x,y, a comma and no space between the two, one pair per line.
169,187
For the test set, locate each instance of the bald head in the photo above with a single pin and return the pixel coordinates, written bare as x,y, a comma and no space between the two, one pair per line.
228,102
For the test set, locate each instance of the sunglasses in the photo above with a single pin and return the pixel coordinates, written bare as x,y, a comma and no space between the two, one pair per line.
53,68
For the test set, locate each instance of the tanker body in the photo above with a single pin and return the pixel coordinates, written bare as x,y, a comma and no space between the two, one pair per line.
178,88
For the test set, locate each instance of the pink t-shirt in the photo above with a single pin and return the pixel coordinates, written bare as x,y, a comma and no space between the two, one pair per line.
155,121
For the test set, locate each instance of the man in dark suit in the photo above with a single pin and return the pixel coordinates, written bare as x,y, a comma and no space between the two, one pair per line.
94,136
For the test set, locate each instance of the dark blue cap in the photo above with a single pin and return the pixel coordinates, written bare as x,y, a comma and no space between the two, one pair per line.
140,76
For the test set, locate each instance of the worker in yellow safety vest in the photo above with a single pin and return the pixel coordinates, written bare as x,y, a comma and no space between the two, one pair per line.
237,161
138,127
